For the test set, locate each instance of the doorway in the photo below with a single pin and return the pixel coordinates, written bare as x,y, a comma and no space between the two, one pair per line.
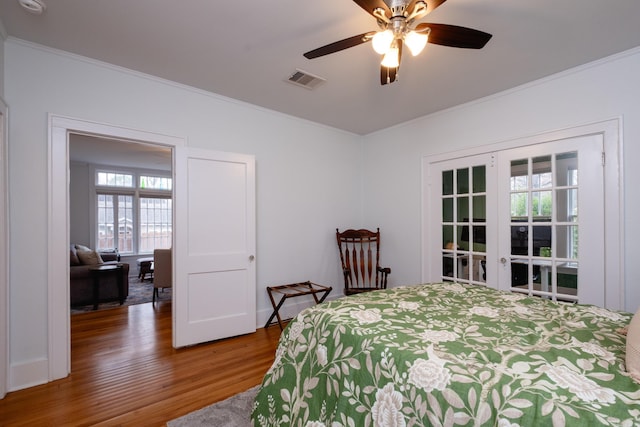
58,224
529,216
224,214
120,205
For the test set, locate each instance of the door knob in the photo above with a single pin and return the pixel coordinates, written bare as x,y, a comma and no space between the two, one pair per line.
251,257
503,260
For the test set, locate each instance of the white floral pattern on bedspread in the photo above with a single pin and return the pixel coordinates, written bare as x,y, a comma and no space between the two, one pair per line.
449,354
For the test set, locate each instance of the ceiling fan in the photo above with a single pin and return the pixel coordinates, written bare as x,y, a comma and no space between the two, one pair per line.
397,22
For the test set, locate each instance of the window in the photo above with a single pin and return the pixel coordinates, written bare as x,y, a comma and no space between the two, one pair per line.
155,223
133,218
115,212
113,179
155,182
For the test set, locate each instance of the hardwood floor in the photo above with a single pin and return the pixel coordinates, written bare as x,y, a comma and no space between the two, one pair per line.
124,372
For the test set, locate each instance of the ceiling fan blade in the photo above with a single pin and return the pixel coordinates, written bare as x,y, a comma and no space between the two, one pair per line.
455,36
431,5
370,5
339,45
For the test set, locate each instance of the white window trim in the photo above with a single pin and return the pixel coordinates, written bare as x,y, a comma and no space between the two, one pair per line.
615,286
135,191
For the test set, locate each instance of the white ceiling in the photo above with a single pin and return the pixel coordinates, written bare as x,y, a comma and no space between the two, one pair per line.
246,50
111,152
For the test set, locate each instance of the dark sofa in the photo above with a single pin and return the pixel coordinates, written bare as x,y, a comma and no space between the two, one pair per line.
81,281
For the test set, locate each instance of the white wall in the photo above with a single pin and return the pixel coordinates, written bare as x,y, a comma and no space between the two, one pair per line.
79,204
307,175
3,36
603,90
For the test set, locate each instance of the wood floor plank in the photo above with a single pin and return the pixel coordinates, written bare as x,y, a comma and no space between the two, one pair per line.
124,372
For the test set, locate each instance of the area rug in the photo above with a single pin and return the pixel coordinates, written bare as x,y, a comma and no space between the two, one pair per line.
232,412
139,293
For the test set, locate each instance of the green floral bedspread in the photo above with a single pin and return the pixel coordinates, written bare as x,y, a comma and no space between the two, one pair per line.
449,354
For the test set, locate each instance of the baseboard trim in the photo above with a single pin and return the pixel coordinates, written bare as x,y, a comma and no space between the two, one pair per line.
28,374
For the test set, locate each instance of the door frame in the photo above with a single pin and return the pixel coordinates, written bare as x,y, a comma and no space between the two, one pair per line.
613,192
4,257
59,128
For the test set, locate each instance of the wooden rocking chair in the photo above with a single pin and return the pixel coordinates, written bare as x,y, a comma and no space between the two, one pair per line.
360,255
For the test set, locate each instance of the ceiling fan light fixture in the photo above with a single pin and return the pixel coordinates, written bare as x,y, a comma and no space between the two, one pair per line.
391,58
416,41
382,40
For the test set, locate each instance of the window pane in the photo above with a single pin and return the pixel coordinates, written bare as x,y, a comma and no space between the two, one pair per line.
463,208
519,177
125,223
567,205
479,179
447,210
155,182
105,224
542,239
567,278
447,237
519,205
541,202
447,183
567,242
111,179
479,271
479,208
541,176
519,239
463,181
567,169
155,224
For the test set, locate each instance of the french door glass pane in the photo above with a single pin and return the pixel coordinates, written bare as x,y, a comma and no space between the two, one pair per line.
447,237
567,205
566,174
544,233
479,179
447,210
463,181
463,208
542,203
447,183
463,224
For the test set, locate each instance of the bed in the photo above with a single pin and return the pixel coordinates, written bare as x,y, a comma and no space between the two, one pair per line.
449,354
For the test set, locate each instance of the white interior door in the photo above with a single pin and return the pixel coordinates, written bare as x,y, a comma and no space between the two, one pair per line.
551,207
528,219
462,220
215,285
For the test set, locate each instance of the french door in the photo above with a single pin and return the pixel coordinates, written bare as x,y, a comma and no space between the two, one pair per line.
463,212
528,220
551,216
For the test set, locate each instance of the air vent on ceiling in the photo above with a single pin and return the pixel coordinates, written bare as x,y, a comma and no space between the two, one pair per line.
33,6
306,80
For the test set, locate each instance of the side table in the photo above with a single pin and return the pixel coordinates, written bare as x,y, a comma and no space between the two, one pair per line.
145,266
103,270
291,291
